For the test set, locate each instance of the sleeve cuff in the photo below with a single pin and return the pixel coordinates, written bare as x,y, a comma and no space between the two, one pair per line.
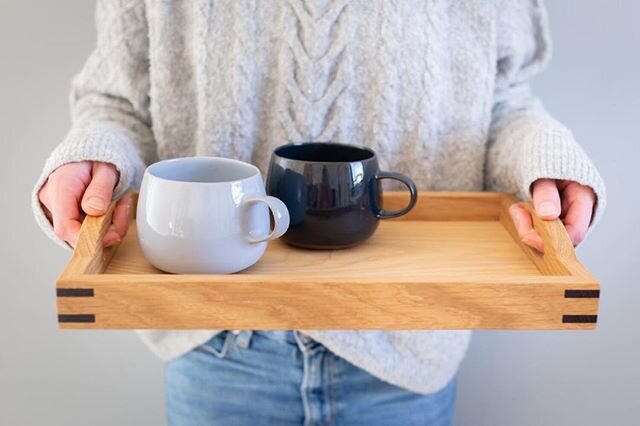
106,142
556,155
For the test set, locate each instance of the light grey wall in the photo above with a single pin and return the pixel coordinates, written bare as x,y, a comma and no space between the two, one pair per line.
580,378
525,378
47,376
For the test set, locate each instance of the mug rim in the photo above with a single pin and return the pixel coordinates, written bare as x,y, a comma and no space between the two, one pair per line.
339,144
149,170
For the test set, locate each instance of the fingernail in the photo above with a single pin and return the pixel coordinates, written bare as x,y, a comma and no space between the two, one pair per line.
547,208
95,203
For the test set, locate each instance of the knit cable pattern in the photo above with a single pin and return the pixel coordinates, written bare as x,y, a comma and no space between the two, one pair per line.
315,64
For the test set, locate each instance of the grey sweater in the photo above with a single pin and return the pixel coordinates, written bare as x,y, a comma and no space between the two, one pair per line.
439,89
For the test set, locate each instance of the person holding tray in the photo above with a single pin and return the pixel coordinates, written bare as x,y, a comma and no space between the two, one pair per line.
440,91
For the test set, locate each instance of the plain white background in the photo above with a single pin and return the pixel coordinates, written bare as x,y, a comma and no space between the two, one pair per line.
510,378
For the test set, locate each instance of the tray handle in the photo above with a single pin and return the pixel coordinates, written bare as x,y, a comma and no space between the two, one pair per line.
89,256
559,256
557,243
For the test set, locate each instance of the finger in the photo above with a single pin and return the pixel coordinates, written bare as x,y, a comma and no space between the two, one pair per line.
66,217
546,199
524,226
110,238
47,213
521,219
97,197
68,231
579,210
70,177
120,222
534,240
44,196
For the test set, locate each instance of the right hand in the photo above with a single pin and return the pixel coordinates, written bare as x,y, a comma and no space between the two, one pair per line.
75,190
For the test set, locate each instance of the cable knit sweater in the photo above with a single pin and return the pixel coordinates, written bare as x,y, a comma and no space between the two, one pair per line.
439,89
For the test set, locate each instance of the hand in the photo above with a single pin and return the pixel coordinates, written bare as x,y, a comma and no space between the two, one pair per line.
552,199
75,190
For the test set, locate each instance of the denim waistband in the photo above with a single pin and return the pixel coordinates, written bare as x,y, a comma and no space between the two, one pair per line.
287,336
243,337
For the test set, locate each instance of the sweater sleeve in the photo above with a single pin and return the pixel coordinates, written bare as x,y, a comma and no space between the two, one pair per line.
526,143
109,103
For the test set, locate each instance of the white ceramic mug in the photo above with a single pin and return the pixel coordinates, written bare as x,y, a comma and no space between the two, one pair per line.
206,215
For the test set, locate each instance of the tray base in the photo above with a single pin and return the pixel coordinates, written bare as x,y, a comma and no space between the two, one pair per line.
456,248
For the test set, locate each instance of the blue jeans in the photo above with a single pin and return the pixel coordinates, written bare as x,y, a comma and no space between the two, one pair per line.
285,378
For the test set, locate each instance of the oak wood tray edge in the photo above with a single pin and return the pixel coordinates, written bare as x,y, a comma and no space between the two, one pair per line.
564,295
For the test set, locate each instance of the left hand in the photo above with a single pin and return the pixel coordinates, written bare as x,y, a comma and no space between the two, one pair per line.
552,199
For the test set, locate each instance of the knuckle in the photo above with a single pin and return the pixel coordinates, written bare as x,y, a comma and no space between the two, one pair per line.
66,182
52,180
43,195
60,173
573,185
75,185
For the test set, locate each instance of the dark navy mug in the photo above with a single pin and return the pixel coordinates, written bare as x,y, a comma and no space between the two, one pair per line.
333,192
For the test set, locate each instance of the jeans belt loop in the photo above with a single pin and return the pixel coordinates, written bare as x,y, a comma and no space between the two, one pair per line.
243,338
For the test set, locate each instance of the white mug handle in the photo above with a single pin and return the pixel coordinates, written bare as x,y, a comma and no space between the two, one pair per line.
280,216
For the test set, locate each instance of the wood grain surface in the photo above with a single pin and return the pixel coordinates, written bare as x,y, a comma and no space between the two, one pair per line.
454,262
406,249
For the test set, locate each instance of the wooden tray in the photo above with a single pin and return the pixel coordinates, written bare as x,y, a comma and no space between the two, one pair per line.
454,262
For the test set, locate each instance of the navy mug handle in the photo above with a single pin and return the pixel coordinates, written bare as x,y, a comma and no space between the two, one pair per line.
413,191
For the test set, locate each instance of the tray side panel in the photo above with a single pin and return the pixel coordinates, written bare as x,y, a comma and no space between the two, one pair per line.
443,206
151,304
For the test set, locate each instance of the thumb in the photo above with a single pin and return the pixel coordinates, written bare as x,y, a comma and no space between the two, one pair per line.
98,194
546,199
